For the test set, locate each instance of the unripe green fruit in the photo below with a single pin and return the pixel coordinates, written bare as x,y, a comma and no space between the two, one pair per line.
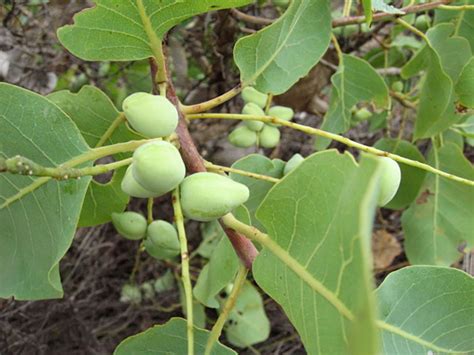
281,112
390,180
151,115
269,137
158,167
295,160
243,137
250,94
253,109
350,30
131,294
162,240
132,188
397,86
337,31
281,3
208,196
362,114
130,225
422,22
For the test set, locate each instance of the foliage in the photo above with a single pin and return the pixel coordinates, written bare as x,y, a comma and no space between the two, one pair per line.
304,229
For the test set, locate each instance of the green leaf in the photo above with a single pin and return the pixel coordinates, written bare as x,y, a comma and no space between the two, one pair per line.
221,268
380,5
441,219
38,216
462,20
169,338
355,81
273,59
258,164
465,85
443,60
431,309
94,113
321,216
130,30
412,178
248,323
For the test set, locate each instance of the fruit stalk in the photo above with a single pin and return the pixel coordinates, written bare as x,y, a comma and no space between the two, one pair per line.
186,279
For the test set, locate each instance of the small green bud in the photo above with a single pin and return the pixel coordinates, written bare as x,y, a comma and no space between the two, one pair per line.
281,112
362,115
158,167
162,240
130,225
250,94
423,22
397,86
295,160
243,137
132,188
253,109
208,196
148,290
349,30
390,180
269,137
131,294
151,115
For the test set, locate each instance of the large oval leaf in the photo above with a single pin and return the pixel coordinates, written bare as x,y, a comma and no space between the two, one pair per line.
129,30
38,216
169,338
274,58
427,309
321,215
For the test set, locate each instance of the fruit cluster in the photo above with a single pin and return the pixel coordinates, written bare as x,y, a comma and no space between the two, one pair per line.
158,168
253,132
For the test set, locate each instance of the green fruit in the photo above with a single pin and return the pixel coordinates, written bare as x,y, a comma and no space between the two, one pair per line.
151,115
132,188
362,115
350,30
130,225
337,31
243,137
162,240
390,180
281,112
397,86
281,3
131,294
148,290
269,137
295,160
208,196
158,167
249,94
422,22
253,109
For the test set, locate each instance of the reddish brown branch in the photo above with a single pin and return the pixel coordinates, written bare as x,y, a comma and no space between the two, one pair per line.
243,247
344,21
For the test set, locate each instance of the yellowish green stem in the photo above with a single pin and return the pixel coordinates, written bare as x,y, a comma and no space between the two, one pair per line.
413,29
115,124
219,168
456,8
185,276
208,105
347,8
228,306
90,155
335,137
149,209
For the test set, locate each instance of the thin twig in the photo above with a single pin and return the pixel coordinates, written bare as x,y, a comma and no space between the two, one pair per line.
335,137
228,306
